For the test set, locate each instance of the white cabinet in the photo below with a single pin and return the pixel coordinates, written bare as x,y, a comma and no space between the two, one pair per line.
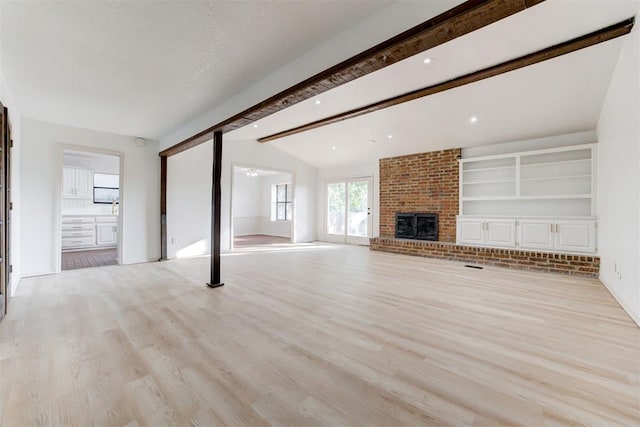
575,236
78,232
106,232
572,235
487,232
89,232
470,231
68,182
500,232
77,183
536,234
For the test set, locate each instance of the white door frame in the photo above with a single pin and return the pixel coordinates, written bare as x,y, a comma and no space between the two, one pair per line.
58,205
346,238
235,165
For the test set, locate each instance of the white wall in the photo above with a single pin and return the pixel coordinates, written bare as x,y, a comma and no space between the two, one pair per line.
189,194
40,174
390,21
619,180
351,171
555,141
247,199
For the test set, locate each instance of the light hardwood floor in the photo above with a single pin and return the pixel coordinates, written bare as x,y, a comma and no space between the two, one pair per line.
317,335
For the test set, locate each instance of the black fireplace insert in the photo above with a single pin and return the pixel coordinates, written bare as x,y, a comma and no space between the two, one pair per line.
420,226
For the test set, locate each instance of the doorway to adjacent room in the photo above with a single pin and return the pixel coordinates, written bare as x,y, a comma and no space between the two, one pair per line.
90,209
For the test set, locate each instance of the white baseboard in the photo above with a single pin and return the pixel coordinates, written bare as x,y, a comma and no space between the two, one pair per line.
15,285
634,316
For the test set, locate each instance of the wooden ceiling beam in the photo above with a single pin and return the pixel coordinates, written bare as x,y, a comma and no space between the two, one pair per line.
573,45
458,21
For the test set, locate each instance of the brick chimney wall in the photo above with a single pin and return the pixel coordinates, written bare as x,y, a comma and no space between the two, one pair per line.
425,182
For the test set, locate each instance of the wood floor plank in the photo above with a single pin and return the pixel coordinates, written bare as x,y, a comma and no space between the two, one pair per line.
311,335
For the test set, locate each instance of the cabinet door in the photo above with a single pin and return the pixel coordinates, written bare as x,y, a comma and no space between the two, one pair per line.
575,236
470,231
106,234
536,234
68,182
84,183
500,232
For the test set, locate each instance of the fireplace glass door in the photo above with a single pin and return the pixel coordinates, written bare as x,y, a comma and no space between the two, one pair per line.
348,213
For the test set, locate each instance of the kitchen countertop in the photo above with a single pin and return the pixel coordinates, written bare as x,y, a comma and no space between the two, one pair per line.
88,214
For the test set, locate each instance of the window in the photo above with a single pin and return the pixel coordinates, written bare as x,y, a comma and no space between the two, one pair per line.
281,202
105,188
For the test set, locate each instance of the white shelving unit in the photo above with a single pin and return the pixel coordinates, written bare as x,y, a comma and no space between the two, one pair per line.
553,185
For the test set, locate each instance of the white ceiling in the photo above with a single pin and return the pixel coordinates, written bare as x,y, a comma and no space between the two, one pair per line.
141,68
558,96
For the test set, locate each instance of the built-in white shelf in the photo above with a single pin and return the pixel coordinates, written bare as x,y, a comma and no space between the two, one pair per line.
554,182
556,177
550,197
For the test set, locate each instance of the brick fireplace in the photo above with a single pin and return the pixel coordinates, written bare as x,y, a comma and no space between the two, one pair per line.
426,182
429,182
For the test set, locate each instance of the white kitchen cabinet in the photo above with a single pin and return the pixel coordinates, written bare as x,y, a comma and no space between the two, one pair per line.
78,232
106,234
77,183
89,232
486,232
68,182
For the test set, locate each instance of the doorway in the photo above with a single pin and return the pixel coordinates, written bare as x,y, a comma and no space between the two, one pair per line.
262,207
348,210
90,209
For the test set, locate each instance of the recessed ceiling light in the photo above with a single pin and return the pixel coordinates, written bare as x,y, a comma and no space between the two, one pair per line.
390,136
317,102
333,147
372,141
473,119
255,125
427,61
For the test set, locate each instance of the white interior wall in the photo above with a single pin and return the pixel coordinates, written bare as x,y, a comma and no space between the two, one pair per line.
16,130
555,141
40,174
247,199
189,194
97,163
268,227
342,172
619,180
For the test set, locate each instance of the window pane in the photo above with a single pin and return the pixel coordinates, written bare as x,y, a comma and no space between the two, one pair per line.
289,211
106,180
282,193
336,208
280,211
358,204
289,193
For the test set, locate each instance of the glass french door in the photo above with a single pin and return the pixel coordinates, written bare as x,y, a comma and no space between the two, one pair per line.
348,213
